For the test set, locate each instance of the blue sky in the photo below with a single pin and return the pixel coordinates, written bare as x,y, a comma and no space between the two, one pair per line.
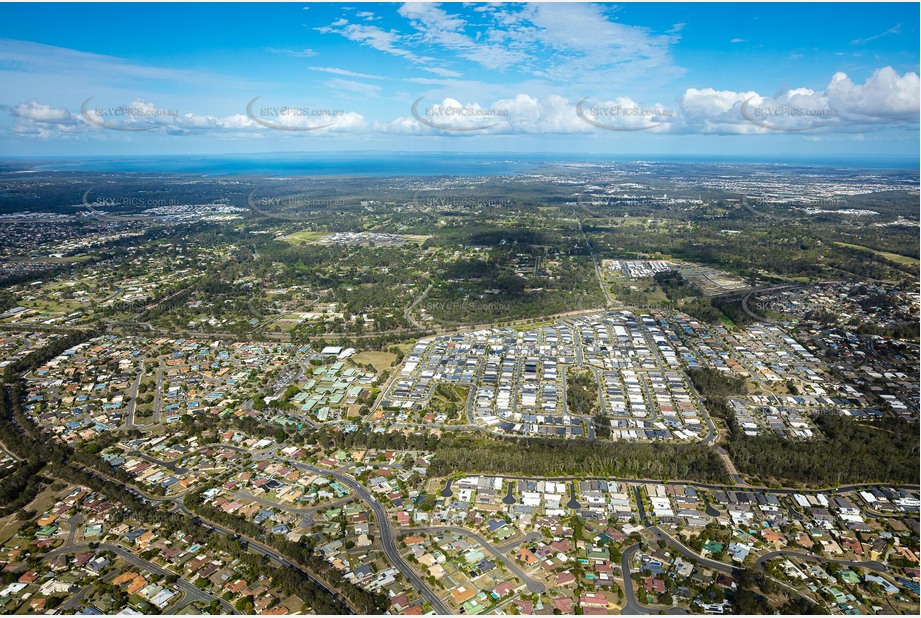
631,78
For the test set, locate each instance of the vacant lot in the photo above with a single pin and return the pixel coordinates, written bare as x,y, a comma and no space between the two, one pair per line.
379,360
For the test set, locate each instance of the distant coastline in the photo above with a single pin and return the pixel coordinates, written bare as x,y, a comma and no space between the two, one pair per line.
384,164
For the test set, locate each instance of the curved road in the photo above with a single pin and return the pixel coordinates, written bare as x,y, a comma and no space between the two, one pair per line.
386,531
409,310
254,545
533,585
872,565
190,592
387,536
717,486
632,606
309,510
687,552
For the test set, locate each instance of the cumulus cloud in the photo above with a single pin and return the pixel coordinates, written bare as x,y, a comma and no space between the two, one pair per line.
42,112
886,98
41,120
526,114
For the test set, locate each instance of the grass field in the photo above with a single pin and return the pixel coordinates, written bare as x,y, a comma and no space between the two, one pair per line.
379,360
894,257
43,501
405,347
416,238
73,259
304,237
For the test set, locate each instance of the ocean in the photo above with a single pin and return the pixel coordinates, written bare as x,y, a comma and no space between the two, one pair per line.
384,164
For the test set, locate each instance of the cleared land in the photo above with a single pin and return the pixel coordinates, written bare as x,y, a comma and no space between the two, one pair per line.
379,360
894,257
304,237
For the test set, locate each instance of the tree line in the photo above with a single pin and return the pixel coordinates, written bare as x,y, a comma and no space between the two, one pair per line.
848,451
543,457
884,451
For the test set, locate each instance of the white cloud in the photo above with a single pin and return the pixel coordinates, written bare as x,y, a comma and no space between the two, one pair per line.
437,27
896,29
886,98
441,71
346,73
563,43
294,53
41,120
525,114
42,112
585,42
367,90
387,41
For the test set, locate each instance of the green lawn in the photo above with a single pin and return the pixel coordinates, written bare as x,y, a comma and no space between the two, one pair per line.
895,257
304,237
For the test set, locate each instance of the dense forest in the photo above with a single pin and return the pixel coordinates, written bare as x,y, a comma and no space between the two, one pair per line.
713,383
581,392
882,451
851,452
549,457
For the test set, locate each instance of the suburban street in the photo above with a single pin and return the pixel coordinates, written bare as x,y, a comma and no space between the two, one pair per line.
386,532
190,592
532,584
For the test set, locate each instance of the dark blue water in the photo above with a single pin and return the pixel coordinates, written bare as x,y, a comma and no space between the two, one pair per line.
409,163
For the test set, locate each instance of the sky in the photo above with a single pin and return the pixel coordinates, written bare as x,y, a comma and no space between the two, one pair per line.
623,79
